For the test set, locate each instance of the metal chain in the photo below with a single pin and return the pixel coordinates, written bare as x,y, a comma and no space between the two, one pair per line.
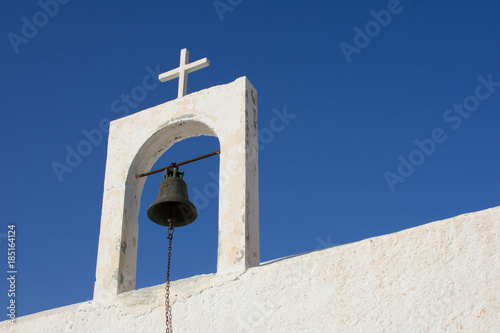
168,308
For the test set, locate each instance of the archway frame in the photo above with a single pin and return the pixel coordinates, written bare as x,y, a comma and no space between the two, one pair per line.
228,112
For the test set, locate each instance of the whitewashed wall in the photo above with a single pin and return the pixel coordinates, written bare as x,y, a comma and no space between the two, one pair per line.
442,276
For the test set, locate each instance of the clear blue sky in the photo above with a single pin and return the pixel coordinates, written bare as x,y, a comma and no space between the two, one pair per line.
373,87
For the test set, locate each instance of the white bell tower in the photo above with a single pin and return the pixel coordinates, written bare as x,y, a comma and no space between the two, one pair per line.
228,112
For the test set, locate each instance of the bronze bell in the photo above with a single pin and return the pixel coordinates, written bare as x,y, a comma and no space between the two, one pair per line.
172,207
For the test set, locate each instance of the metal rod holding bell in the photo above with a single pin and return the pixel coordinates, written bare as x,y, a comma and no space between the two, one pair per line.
173,165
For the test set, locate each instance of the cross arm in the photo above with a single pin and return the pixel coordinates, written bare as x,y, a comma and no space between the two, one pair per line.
167,76
199,64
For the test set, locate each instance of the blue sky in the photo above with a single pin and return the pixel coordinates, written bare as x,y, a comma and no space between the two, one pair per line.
391,122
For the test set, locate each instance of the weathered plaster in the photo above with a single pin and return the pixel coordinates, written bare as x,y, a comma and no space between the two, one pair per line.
439,277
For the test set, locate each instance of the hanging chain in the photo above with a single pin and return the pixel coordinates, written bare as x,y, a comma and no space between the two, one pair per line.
168,308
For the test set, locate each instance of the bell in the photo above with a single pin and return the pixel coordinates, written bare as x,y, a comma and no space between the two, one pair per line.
172,207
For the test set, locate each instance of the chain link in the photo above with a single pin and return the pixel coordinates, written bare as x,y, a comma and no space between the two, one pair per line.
168,308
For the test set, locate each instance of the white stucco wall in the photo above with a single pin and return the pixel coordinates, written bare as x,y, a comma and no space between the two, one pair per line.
442,276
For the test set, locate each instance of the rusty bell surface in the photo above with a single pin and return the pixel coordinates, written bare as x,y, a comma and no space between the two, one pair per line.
172,207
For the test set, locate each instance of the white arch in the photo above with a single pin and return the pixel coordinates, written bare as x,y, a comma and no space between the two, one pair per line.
228,112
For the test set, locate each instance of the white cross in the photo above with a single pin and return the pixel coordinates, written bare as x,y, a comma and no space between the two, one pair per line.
183,70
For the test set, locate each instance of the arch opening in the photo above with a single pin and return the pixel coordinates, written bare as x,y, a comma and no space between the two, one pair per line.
195,245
